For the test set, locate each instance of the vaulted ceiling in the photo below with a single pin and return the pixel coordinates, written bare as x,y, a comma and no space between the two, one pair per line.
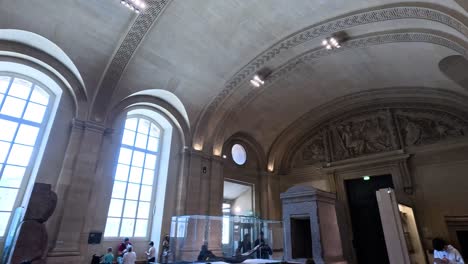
205,52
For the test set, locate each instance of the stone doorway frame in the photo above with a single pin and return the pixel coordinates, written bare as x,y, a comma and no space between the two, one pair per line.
393,163
454,224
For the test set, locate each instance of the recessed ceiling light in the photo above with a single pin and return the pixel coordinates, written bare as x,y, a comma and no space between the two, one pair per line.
135,5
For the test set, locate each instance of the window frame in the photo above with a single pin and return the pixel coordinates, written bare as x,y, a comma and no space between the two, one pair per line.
41,142
156,178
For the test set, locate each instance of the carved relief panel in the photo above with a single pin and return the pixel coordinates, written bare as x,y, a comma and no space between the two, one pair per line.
361,135
314,151
378,131
418,127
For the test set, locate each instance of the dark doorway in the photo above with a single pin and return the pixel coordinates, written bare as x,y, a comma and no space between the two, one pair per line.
369,240
462,236
301,238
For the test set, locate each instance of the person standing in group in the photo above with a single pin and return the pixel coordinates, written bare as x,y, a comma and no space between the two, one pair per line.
445,253
150,254
245,245
109,257
122,249
130,256
165,250
264,252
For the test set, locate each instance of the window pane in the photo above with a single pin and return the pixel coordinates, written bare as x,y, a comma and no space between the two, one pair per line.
148,176
128,137
8,129
4,147
141,228
150,162
13,106
121,174
35,112
126,230
133,191
146,193
131,124
125,156
119,189
143,210
4,218
135,174
143,126
112,227
130,209
153,144
115,207
20,88
4,82
27,135
12,176
1,98
7,198
141,141
155,131
40,96
138,158
20,155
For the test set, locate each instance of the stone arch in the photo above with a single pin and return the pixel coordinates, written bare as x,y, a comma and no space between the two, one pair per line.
315,122
156,103
34,51
250,142
413,10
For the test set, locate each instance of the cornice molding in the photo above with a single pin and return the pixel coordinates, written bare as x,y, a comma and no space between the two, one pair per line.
113,73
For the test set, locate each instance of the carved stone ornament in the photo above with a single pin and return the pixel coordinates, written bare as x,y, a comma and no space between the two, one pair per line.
362,135
314,151
426,127
377,131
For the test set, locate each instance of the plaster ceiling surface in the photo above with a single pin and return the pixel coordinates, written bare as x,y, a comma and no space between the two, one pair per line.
352,71
87,31
202,50
196,46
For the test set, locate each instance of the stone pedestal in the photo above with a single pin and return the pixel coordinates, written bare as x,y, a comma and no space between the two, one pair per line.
303,204
31,237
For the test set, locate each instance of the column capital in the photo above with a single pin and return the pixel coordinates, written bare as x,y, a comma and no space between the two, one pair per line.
91,126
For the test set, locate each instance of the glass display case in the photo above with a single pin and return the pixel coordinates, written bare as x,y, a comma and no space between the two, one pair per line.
224,237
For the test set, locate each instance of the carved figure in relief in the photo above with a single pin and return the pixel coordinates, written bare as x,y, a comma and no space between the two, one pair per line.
314,151
421,130
363,137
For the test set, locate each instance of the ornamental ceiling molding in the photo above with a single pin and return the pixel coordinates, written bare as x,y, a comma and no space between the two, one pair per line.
311,56
387,13
111,77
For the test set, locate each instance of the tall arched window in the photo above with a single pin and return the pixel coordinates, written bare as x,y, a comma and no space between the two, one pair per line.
24,110
133,194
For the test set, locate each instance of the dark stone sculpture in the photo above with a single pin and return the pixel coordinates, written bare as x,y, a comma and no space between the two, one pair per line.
31,239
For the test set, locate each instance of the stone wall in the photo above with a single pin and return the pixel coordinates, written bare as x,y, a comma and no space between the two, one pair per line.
426,151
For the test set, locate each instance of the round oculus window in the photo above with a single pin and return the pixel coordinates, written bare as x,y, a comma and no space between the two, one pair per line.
238,154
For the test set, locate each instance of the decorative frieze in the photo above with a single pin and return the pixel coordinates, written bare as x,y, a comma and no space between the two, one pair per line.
371,132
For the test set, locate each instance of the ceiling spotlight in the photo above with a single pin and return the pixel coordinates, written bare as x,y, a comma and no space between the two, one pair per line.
335,41
259,78
135,5
331,43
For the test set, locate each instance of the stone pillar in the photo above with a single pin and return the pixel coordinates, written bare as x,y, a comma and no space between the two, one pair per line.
75,186
304,202
30,242
203,198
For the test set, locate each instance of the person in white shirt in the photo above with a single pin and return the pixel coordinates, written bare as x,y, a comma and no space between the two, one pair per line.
130,256
445,253
151,253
